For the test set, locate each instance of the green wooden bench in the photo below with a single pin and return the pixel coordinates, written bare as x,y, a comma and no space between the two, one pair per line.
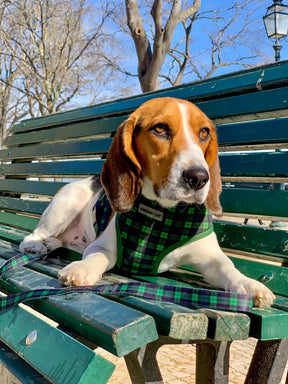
250,109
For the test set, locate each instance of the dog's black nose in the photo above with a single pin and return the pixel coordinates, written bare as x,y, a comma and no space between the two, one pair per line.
196,178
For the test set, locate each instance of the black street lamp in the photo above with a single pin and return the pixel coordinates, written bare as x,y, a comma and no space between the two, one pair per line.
276,24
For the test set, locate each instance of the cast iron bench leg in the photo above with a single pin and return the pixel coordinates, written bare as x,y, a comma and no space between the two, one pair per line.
268,362
142,364
212,362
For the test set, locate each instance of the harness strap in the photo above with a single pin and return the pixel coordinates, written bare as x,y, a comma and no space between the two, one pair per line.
185,296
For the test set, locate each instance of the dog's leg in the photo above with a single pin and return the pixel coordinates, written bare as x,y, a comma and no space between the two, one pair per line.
66,205
218,270
99,257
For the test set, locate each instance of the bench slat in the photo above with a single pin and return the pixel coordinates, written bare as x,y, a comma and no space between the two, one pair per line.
263,101
268,324
242,133
13,235
172,320
72,130
19,205
223,326
113,326
274,276
262,164
211,88
75,168
221,323
58,150
30,187
23,222
15,370
266,241
250,133
69,363
258,202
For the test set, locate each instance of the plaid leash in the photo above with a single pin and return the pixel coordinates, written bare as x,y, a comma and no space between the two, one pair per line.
185,296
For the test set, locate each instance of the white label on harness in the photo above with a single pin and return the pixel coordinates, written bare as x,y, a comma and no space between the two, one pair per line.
157,215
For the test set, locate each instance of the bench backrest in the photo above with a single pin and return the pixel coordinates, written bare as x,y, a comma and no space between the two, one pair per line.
250,109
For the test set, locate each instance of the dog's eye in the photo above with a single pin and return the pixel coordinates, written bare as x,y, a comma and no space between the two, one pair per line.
204,133
161,130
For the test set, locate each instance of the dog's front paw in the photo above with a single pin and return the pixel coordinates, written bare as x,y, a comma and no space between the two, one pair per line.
52,243
262,296
35,247
79,273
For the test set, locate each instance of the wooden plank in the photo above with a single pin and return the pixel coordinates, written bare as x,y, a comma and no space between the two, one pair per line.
265,323
113,326
72,131
255,201
269,75
22,205
222,326
171,319
83,168
13,235
242,133
253,132
253,103
46,188
268,324
274,277
70,362
58,150
268,242
256,164
15,370
18,221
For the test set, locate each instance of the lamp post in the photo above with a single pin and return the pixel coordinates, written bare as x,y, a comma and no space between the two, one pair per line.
276,24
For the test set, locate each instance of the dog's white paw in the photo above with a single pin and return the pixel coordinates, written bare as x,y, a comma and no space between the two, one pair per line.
79,273
35,247
52,243
262,296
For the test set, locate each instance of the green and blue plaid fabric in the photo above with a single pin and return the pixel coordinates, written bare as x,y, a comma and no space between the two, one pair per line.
148,232
188,297
103,213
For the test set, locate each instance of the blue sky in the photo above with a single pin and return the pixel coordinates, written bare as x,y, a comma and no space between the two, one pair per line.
255,37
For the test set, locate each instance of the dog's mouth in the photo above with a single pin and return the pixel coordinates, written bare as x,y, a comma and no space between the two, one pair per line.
173,193
181,194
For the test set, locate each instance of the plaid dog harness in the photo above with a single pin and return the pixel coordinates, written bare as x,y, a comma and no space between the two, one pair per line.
147,233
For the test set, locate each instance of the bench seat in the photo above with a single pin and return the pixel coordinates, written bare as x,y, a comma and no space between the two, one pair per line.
41,155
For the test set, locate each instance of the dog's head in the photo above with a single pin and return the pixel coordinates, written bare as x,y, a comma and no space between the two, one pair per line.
167,148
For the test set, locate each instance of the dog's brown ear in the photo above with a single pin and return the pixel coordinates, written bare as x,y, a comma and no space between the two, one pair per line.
213,202
121,175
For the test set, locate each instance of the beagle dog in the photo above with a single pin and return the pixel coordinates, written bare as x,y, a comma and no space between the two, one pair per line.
167,153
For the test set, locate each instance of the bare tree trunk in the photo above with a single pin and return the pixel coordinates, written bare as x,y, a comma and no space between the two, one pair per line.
150,61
